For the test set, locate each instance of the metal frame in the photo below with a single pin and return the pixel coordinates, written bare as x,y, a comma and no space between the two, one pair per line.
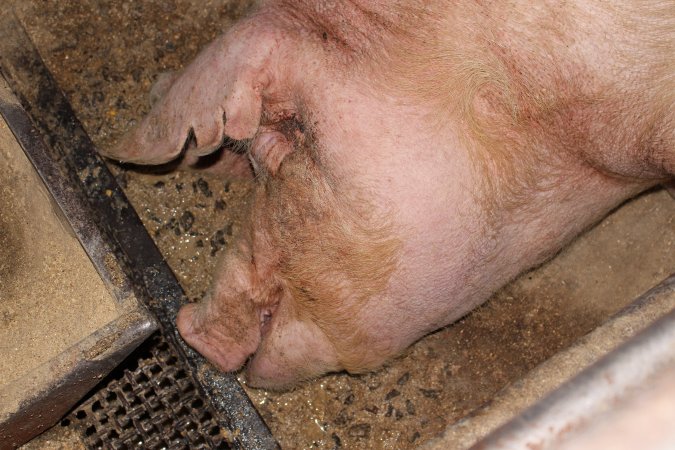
610,383
53,388
150,276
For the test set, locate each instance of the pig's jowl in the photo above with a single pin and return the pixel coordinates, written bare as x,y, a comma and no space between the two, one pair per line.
409,158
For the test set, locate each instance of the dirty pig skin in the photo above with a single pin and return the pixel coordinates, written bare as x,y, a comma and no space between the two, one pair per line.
409,158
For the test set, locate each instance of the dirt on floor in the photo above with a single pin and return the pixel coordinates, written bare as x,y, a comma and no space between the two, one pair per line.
105,55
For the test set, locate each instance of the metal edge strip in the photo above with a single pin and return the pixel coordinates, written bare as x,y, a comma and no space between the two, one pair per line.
594,390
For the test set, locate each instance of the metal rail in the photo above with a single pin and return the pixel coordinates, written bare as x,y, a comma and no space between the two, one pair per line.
610,383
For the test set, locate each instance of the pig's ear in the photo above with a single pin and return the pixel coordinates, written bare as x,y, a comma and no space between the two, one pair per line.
268,150
219,94
162,85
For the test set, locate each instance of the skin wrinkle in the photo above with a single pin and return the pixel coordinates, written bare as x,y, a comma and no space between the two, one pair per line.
356,32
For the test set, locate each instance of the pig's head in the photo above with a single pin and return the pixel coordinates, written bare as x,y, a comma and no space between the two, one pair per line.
290,294
401,160
338,264
315,252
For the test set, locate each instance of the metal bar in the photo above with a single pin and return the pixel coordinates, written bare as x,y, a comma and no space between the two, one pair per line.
594,391
72,203
30,79
51,389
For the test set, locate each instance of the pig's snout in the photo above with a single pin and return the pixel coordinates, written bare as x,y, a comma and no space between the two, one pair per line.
285,348
225,338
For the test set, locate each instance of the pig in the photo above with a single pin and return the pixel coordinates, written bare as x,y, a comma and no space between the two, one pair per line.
408,159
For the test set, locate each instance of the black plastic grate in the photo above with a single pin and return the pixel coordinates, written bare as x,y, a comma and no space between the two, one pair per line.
150,402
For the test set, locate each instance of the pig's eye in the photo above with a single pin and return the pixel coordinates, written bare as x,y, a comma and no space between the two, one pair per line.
266,319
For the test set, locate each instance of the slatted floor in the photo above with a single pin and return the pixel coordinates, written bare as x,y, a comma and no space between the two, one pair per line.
151,403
